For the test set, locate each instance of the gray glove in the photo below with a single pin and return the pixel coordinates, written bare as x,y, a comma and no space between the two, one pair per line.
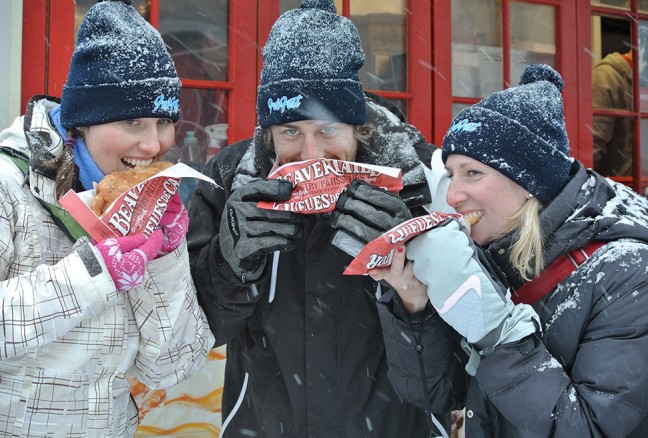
364,212
464,293
248,233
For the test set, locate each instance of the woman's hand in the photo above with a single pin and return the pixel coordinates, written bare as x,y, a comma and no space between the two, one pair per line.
126,257
401,277
174,223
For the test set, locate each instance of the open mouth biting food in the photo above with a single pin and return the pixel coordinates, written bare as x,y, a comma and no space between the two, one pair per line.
472,218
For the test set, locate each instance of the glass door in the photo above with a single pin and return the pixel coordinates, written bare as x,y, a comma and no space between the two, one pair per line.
619,37
492,43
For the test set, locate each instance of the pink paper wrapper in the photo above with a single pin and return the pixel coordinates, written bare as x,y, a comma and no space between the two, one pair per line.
137,210
379,252
319,183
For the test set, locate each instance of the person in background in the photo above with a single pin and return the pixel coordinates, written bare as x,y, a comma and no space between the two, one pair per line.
305,355
78,315
613,136
547,293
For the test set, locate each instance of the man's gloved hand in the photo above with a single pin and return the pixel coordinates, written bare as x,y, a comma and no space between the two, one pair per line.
463,292
174,223
126,257
249,233
365,212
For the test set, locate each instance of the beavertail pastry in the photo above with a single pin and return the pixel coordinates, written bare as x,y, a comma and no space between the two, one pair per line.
117,183
470,220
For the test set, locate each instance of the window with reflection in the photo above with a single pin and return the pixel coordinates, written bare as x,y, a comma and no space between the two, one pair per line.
644,147
196,34
382,27
612,93
533,37
621,4
477,48
643,103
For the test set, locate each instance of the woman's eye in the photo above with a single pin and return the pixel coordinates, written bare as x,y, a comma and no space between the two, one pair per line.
328,130
165,121
131,122
473,173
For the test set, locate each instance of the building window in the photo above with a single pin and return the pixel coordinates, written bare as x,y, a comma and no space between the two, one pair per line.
619,32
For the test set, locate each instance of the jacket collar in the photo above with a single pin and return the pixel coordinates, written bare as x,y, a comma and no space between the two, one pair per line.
43,143
589,207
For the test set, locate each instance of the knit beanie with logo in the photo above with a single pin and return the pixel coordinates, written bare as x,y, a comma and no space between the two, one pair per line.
310,68
519,132
120,70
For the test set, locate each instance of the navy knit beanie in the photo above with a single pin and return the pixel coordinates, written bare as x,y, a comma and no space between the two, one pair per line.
519,132
310,68
120,70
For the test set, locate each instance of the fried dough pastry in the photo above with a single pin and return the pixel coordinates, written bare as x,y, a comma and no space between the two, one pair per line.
471,220
117,183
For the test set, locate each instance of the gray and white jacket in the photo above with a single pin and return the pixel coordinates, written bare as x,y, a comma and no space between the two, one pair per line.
67,337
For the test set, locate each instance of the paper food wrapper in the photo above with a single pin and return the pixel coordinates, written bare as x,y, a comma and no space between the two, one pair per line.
319,182
379,252
137,210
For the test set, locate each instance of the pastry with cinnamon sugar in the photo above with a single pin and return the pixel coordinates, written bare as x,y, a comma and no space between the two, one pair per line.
117,183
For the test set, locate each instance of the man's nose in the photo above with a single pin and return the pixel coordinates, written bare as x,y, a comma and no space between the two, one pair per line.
311,148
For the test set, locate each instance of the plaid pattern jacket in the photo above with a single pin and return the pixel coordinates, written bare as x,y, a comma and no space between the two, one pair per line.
67,338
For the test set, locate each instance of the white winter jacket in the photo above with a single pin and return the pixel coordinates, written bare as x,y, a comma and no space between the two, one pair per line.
67,337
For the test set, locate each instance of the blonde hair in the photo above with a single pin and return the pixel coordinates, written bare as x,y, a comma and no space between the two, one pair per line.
527,250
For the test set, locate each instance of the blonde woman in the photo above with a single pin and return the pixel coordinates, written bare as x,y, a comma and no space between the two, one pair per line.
547,294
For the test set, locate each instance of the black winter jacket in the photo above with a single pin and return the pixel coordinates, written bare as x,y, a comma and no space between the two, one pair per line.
586,375
305,359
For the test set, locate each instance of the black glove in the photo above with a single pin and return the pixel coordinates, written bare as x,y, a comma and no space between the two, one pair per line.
248,233
365,212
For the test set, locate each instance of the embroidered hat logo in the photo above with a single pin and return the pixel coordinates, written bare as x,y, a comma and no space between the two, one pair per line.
465,125
170,105
283,103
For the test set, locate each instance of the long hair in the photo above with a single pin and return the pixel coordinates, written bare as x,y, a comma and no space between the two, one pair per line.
527,250
63,166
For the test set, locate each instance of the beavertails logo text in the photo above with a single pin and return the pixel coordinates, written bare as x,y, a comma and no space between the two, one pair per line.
379,252
319,183
128,216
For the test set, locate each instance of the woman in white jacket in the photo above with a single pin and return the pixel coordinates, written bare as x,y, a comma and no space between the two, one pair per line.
78,315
